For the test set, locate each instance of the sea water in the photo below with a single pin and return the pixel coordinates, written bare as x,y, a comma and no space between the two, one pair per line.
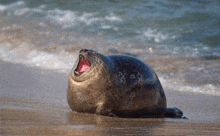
180,39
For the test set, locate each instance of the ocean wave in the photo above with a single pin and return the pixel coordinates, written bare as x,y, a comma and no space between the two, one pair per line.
2,8
24,54
172,84
20,9
68,18
46,35
14,8
157,36
65,18
185,26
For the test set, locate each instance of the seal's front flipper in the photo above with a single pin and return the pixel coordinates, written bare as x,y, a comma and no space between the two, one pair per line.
104,108
173,113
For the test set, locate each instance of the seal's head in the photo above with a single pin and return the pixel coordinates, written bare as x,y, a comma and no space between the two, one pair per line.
89,78
88,64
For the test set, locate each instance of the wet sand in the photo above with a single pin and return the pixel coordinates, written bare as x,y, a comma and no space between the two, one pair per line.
33,102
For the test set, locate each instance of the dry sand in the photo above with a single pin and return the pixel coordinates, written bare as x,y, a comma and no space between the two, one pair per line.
33,102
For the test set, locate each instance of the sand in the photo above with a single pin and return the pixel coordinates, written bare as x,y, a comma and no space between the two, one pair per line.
33,102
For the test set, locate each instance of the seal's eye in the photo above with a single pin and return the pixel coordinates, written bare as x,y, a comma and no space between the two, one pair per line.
83,65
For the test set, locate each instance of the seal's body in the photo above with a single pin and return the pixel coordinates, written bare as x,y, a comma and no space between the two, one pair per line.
115,85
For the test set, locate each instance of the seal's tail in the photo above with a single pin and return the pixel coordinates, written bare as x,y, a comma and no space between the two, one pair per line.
173,113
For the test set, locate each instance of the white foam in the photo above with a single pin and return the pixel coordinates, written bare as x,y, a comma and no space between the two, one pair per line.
156,36
42,24
16,8
113,17
2,8
16,5
19,3
61,61
105,27
171,84
12,5
68,18
65,18
136,51
40,9
89,18
22,11
46,60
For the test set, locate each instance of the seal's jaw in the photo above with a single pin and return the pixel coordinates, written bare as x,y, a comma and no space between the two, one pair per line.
83,66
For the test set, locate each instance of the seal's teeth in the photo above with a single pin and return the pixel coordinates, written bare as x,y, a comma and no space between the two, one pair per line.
77,73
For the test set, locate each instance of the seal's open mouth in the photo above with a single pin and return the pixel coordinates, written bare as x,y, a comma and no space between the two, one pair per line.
83,65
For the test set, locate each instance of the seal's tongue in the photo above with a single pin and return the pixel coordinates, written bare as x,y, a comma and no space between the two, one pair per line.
83,65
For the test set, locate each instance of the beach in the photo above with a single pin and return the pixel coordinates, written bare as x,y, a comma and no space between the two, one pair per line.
33,102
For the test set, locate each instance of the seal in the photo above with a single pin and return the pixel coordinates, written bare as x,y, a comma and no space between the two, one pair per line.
116,85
